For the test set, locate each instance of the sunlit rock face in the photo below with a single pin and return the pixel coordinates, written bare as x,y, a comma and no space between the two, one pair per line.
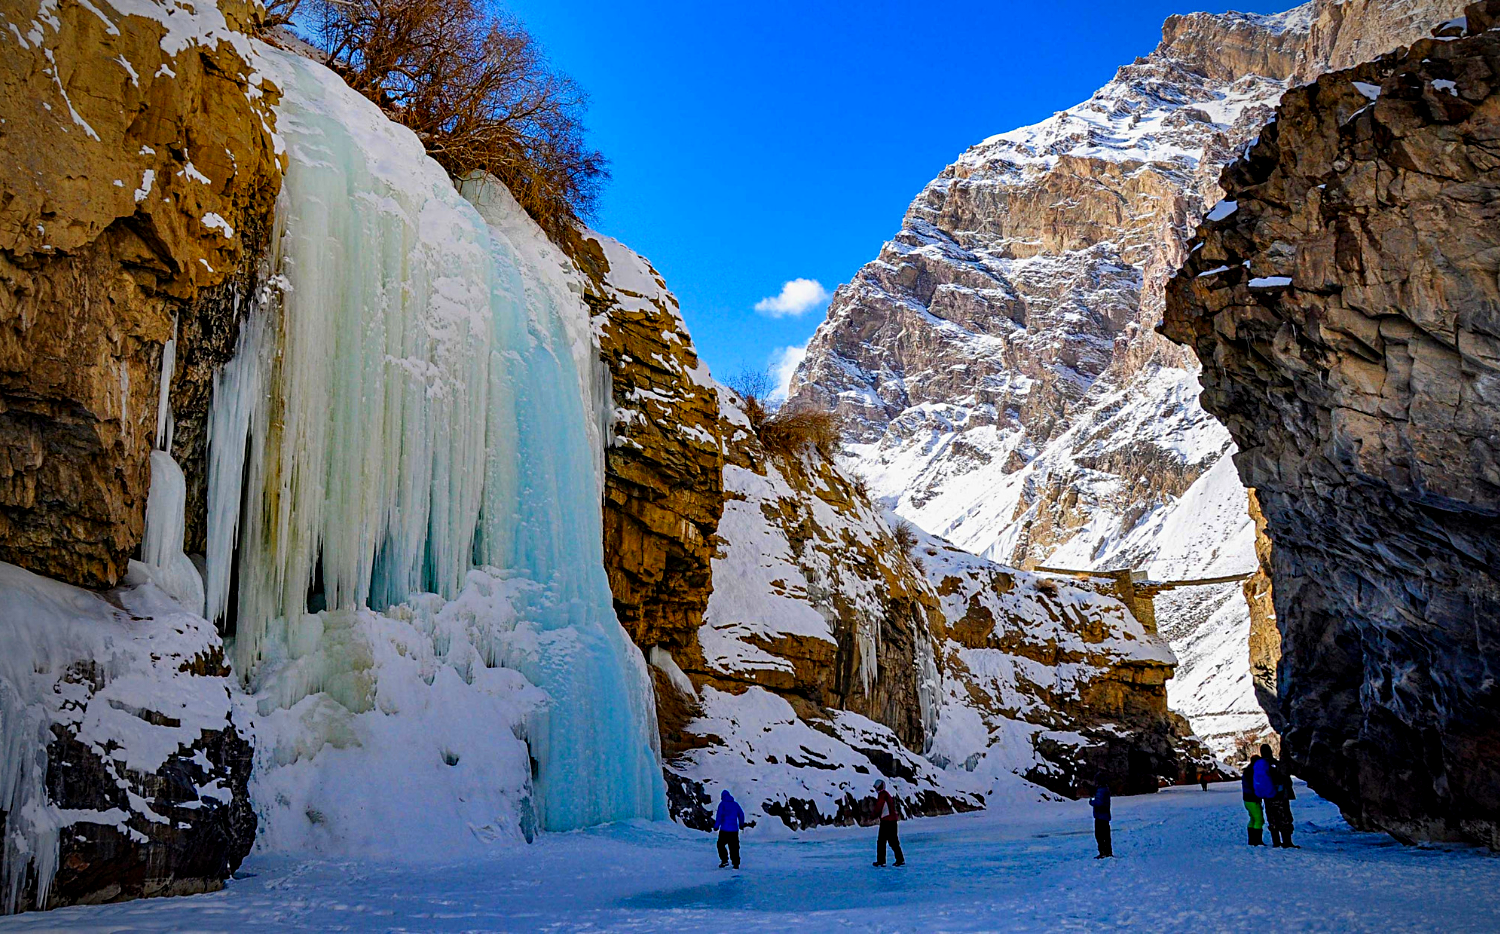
664,467
997,362
1348,319
140,176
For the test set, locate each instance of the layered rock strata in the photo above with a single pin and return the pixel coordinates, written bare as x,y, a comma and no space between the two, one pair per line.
1063,665
663,485
1343,302
813,671
141,171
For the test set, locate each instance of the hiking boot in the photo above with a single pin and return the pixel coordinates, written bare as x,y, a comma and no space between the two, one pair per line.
900,862
723,864
877,864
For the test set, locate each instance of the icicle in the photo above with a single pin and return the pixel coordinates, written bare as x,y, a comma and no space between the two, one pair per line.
929,690
164,394
544,517
239,396
124,398
161,546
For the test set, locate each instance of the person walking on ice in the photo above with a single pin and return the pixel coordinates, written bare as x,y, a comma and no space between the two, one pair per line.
728,821
1252,798
1100,802
888,814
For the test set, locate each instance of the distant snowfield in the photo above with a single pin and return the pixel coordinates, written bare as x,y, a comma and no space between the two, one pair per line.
1183,866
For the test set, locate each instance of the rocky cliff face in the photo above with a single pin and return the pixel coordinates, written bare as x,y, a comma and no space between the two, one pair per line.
1344,305
997,362
1052,679
664,487
818,633
141,171
836,648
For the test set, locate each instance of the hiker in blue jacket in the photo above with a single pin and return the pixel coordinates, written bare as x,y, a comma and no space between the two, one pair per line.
1100,801
1253,803
728,821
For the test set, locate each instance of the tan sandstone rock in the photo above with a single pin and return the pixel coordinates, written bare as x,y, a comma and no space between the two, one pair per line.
140,176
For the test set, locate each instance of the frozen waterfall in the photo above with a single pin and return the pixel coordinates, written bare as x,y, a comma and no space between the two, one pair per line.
407,439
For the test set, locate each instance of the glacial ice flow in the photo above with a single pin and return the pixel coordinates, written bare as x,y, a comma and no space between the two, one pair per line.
406,418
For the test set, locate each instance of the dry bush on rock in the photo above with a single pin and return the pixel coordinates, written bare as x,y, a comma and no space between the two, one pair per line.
789,432
752,386
474,86
906,536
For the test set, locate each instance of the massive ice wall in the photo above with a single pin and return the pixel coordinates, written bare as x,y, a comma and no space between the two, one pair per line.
406,438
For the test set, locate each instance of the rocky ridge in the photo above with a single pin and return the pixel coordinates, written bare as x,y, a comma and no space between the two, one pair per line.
1344,305
997,362
1053,680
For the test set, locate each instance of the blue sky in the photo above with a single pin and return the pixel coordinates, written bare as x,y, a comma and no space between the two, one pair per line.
757,144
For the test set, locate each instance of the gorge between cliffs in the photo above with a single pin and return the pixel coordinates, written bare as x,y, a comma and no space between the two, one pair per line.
362,505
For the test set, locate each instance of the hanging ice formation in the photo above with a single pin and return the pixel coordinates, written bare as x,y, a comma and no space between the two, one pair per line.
403,409
162,557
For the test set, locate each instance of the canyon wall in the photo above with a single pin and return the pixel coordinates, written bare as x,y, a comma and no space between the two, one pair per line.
997,362
141,171
1343,302
802,645
663,479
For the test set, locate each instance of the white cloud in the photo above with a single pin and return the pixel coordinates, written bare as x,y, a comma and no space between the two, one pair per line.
784,363
797,297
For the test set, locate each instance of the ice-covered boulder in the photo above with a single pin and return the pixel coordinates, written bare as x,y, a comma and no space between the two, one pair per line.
124,769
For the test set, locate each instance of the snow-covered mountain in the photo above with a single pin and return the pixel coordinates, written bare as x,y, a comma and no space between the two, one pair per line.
997,364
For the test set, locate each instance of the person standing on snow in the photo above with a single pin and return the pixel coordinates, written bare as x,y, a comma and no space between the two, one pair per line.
1100,802
887,814
728,821
1279,805
1253,800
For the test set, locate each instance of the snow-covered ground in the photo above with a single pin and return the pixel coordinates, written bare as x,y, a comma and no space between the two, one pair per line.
1182,866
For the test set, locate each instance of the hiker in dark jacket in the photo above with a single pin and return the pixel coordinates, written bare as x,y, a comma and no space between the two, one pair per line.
888,814
728,821
1100,801
1252,802
1279,805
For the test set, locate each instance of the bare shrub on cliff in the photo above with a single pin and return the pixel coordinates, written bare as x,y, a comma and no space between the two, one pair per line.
788,432
861,485
906,537
753,386
279,13
477,90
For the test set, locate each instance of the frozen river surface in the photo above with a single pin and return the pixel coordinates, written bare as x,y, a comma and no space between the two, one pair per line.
1182,866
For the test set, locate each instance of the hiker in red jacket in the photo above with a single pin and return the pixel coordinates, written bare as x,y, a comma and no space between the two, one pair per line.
889,814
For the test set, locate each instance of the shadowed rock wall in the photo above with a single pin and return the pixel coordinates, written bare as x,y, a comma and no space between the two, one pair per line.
1347,316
